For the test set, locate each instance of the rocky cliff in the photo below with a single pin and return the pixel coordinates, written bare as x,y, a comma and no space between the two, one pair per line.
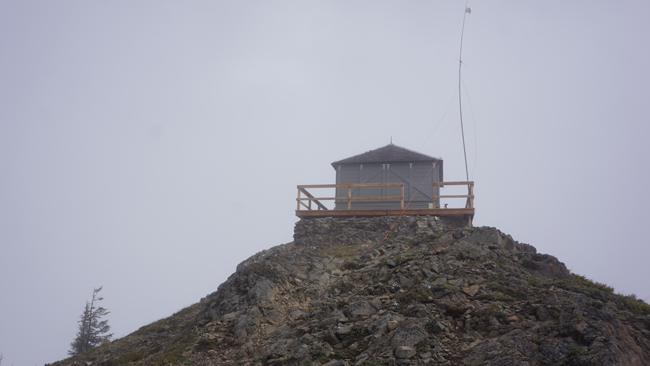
433,292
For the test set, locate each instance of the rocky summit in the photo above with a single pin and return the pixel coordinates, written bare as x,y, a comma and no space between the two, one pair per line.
431,293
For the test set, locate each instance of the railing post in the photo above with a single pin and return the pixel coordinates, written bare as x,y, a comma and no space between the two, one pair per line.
433,195
298,201
402,199
471,204
349,198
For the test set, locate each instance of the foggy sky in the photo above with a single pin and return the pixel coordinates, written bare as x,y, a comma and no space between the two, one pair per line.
150,146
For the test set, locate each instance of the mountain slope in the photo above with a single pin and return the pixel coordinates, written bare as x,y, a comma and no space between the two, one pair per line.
433,292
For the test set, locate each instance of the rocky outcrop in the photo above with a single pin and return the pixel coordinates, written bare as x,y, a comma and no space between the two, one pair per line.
430,292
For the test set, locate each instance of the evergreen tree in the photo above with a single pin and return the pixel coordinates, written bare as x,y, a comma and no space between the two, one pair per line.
92,330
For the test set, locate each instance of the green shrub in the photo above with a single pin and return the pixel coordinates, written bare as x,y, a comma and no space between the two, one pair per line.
527,263
352,265
205,344
343,286
421,347
534,282
637,306
578,283
495,296
597,304
585,282
451,287
431,327
185,311
576,352
130,357
462,256
415,294
498,307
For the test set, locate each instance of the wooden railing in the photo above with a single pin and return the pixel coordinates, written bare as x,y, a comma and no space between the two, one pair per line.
310,198
305,200
470,192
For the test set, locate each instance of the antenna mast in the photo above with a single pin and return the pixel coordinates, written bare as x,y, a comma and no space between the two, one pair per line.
460,64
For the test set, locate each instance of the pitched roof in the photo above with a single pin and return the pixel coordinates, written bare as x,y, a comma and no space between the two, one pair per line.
387,155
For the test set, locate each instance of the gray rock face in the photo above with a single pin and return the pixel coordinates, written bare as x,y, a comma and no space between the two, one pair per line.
460,296
261,291
404,352
408,333
433,292
362,308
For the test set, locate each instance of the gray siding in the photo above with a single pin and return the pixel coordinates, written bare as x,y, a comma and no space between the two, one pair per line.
412,175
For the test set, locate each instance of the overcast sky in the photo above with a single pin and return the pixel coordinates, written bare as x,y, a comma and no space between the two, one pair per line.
150,146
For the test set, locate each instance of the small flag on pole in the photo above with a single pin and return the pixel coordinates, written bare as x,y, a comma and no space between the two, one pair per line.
468,10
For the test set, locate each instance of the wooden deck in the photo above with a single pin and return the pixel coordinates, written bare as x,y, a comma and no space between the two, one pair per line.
305,209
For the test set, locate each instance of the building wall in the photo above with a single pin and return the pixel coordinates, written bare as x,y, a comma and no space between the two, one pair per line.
412,175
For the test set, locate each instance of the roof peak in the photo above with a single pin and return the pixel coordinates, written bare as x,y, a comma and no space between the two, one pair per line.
390,153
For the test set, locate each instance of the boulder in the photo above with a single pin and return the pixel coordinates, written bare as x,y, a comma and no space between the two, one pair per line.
404,352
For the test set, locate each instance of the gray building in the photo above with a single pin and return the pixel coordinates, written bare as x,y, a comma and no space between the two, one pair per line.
389,164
